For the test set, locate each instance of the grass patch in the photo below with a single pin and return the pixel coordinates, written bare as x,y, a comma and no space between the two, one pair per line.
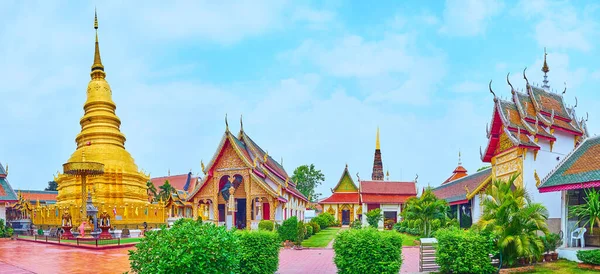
409,240
322,238
561,266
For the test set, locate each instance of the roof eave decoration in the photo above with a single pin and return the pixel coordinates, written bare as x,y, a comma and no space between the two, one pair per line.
485,182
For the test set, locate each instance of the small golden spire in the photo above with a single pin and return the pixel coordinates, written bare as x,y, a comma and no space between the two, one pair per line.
545,68
377,145
387,174
226,123
97,65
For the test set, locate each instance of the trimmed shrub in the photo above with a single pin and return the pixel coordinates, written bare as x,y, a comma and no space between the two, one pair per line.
316,227
324,220
356,224
460,251
300,232
288,231
589,256
258,251
187,247
373,217
266,225
309,231
368,251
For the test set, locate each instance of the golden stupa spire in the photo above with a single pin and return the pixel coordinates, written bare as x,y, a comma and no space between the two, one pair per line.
97,65
377,145
545,67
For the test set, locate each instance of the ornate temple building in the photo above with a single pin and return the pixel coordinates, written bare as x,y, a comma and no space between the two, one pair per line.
120,187
529,135
344,202
349,202
177,205
243,185
7,194
460,191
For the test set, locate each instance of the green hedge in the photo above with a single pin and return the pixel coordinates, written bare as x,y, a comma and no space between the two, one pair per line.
188,247
266,225
300,232
259,252
589,256
316,227
324,220
288,231
368,251
460,251
193,247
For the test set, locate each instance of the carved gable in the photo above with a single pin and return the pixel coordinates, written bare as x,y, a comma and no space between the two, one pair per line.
229,159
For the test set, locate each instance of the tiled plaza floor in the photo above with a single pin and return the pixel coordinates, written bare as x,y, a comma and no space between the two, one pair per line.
17,257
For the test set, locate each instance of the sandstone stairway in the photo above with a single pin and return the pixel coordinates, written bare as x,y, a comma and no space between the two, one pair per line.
427,255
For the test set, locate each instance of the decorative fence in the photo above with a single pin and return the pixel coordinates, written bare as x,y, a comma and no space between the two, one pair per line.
75,241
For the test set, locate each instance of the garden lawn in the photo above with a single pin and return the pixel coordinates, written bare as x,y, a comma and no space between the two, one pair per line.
561,266
322,238
409,240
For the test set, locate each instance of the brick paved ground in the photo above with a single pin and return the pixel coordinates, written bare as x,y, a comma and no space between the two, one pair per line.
17,257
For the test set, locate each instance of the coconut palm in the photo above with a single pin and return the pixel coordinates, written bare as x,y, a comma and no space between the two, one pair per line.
426,208
151,190
511,216
165,190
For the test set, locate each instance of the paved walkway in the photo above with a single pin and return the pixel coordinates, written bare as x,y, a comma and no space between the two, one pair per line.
18,257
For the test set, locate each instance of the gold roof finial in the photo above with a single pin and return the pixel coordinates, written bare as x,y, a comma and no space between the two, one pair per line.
545,68
377,145
241,124
226,123
387,174
97,65
459,161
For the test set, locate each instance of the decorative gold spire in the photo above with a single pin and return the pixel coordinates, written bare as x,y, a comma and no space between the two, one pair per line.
97,65
377,145
545,68
459,161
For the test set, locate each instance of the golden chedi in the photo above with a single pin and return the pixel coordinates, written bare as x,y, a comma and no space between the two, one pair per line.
121,190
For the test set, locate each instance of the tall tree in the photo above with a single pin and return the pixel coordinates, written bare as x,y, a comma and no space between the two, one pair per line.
52,185
165,190
427,209
307,178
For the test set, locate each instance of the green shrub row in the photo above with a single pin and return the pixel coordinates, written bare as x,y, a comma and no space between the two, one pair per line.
589,256
368,251
266,225
460,251
194,247
411,231
325,220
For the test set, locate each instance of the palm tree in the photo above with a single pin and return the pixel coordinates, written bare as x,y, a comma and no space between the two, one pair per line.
151,190
165,190
427,209
590,211
514,220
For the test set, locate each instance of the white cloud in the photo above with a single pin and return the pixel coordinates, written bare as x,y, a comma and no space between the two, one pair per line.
468,17
559,25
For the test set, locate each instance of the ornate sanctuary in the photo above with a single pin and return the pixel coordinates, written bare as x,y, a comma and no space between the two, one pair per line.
243,185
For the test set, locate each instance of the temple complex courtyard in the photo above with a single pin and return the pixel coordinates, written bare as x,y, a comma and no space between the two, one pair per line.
18,257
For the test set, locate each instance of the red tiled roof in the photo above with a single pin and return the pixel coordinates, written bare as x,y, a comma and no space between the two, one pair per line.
39,195
385,198
342,198
458,173
177,181
388,187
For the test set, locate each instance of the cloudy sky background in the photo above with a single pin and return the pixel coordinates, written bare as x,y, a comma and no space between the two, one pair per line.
313,81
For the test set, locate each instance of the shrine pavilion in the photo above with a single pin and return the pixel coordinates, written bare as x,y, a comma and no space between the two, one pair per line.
177,204
529,135
349,202
243,185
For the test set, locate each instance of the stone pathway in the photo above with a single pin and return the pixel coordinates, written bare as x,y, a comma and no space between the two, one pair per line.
19,257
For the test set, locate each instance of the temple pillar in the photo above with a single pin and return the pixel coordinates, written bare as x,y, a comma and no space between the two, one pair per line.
249,203
195,209
272,209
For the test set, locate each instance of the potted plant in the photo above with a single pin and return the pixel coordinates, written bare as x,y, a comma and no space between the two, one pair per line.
547,248
557,242
589,211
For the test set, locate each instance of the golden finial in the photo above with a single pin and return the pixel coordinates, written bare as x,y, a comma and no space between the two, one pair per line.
537,178
202,165
545,68
97,65
254,162
387,174
286,181
459,161
377,145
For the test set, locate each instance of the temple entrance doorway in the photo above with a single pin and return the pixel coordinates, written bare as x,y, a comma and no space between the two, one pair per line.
345,217
240,214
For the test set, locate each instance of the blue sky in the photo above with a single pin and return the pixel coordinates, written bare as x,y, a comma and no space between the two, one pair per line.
312,80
